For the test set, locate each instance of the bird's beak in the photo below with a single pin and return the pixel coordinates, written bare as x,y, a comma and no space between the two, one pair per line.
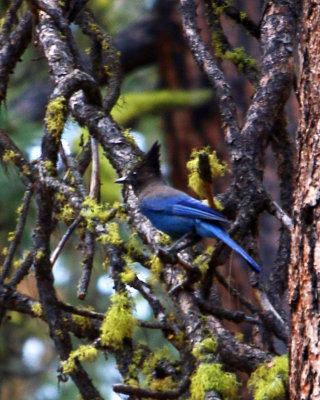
124,179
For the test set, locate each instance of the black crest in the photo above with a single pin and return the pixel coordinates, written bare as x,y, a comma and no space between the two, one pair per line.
150,164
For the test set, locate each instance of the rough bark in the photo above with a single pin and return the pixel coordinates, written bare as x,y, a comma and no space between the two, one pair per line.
304,272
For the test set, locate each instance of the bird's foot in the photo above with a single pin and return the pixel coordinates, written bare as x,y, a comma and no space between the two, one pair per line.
167,255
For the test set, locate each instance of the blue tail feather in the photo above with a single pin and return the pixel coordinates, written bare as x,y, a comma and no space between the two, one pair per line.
205,229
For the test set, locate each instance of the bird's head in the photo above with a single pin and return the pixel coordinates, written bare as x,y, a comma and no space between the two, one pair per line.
146,171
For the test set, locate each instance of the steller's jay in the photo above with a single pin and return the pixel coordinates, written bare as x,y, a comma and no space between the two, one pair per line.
174,212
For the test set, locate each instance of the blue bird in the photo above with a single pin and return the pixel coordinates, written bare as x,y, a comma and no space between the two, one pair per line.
174,212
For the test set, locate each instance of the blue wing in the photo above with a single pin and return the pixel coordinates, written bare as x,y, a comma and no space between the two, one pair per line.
190,207
183,206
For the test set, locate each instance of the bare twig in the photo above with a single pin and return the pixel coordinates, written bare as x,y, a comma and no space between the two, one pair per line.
64,240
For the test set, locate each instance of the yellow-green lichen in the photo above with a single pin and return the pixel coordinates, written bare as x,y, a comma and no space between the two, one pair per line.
118,323
205,348
269,381
149,366
217,168
4,251
121,212
11,236
239,336
36,309
19,209
218,9
50,167
164,239
82,321
163,384
9,155
212,377
130,138
107,71
83,353
134,245
218,204
134,367
67,213
202,261
94,212
128,275
105,263
39,254
132,382
26,170
17,263
156,268
113,235
56,116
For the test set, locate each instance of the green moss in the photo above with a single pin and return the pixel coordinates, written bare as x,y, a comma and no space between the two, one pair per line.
118,323
269,381
83,353
212,377
218,45
239,57
242,15
207,347
37,310
217,168
136,105
56,116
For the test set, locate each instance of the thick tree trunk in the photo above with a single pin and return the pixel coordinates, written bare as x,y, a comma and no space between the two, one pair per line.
304,272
